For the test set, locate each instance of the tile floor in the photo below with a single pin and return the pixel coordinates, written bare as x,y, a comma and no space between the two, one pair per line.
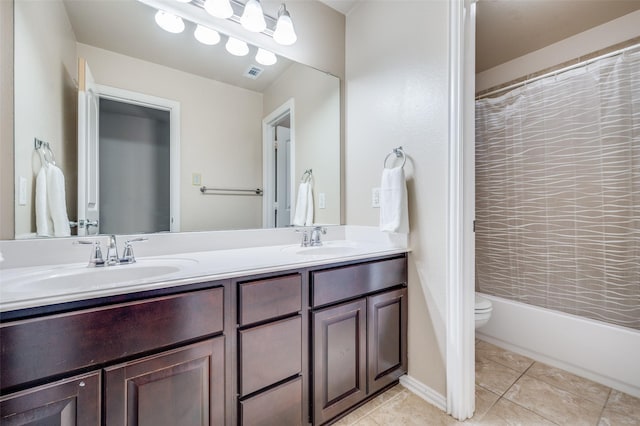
510,390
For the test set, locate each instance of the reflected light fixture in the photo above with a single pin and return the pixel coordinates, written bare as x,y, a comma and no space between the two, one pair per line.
236,47
219,8
284,33
183,1
206,35
265,57
168,22
252,18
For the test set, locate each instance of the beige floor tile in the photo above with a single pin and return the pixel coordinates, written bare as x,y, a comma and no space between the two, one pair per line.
366,421
409,410
485,399
621,409
493,376
505,412
570,382
502,356
553,403
367,408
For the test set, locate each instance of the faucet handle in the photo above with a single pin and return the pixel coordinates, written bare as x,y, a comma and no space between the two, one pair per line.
127,255
95,259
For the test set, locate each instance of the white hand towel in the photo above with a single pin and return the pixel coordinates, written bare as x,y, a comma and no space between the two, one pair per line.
309,216
300,215
394,209
57,201
44,227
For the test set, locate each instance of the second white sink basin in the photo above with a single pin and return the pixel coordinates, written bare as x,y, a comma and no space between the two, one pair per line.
328,248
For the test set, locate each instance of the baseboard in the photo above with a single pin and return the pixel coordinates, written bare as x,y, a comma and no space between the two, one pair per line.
424,392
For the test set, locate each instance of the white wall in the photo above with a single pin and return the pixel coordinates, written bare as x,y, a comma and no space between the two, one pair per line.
397,94
221,136
597,38
45,106
317,131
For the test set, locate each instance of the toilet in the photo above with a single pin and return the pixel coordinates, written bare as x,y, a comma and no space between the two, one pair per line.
482,310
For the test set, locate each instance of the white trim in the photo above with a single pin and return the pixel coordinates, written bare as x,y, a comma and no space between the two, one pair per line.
598,351
424,392
460,368
173,107
267,160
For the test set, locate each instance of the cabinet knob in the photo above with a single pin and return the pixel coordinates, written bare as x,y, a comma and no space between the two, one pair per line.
81,384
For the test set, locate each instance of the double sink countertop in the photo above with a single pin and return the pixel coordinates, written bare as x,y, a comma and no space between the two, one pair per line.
36,286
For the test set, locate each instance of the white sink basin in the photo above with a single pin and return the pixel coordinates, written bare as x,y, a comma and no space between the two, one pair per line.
78,278
328,248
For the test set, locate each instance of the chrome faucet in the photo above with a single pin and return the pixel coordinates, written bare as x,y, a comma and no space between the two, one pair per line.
316,235
112,252
112,258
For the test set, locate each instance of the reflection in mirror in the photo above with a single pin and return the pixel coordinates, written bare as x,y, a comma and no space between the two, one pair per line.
217,115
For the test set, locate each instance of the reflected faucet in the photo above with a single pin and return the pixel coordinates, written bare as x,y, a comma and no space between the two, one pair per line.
316,236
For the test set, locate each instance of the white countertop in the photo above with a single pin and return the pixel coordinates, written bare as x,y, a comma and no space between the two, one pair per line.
36,286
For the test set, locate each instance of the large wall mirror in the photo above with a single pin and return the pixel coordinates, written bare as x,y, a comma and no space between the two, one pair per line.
173,115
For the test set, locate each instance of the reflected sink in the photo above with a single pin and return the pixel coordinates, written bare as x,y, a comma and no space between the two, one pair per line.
328,248
82,278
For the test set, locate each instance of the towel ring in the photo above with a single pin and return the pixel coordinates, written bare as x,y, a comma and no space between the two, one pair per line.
399,152
306,176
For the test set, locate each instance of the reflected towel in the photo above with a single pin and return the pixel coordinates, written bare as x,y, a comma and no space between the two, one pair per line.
394,209
44,227
304,205
57,201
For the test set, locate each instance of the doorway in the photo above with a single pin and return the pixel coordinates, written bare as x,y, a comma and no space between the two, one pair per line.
278,166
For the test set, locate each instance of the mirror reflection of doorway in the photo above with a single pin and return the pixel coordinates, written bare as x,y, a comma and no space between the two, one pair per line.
278,166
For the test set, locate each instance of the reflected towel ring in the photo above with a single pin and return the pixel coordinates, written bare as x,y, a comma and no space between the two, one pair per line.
306,176
399,152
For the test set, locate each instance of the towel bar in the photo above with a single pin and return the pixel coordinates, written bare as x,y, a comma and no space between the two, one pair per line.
230,191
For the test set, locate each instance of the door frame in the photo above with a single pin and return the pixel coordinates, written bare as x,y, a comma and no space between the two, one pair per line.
173,107
268,170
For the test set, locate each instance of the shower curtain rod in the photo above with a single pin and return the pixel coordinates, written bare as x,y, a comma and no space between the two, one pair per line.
559,71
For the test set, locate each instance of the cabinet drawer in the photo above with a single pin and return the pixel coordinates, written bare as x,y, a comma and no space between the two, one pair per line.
280,406
333,285
271,298
90,337
269,353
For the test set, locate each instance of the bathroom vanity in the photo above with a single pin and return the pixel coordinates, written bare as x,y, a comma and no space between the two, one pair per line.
289,347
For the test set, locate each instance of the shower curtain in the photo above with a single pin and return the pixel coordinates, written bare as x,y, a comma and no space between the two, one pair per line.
558,192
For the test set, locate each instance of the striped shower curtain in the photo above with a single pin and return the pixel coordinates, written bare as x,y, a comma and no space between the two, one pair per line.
558,192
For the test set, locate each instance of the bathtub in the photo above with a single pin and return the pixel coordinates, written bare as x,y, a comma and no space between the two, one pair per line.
601,352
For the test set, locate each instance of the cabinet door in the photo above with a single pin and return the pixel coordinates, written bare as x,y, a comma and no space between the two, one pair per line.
339,359
74,401
387,338
183,387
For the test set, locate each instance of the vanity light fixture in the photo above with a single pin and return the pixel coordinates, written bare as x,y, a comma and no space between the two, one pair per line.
265,57
252,18
219,8
284,33
236,47
183,1
206,35
168,22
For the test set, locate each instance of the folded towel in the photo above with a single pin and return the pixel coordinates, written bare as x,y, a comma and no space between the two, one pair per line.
394,209
44,227
303,215
57,201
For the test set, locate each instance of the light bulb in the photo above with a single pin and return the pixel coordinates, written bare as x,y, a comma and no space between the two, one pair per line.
219,8
252,18
236,47
284,33
206,35
169,22
265,57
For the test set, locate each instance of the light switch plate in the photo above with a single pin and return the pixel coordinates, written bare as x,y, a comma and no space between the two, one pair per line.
375,198
322,201
196,179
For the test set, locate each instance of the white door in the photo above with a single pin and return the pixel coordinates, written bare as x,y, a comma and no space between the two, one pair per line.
88,136
283,175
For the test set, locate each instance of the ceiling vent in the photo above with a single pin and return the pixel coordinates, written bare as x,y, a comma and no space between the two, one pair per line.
253,72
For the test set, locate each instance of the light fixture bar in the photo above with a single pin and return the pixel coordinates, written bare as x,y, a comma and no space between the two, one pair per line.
238,8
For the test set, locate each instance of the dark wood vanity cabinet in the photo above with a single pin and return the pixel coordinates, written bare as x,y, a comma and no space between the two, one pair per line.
271,351
359,347
292,348
68,402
